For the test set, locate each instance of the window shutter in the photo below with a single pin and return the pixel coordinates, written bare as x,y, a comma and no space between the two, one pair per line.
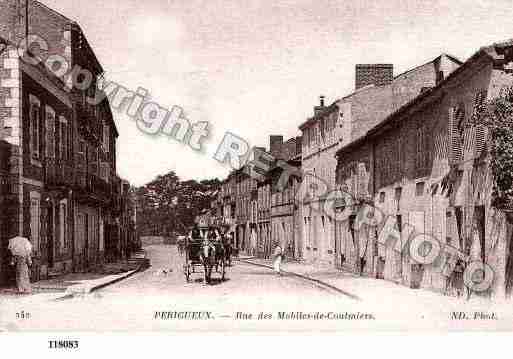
455,152
58,153
50,133
70,141
105,170
41,128
481,134
64,140
361,179
34,130
480,131
479,103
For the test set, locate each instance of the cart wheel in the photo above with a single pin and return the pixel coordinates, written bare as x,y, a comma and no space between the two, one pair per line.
223,270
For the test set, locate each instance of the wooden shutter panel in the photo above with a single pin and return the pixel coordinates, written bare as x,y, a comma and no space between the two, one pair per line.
480,137
455,152
50,133
480,132
42,130
58,139
361,179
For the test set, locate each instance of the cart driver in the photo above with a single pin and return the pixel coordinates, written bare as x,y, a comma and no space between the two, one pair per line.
195,232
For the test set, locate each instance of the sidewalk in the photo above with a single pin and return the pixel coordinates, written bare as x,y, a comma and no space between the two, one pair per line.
82,283
326,273
370,290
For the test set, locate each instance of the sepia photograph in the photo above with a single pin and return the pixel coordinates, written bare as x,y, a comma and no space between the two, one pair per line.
292,166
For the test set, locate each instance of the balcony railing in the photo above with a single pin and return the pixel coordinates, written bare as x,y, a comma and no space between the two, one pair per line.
76,174
99,187
59,172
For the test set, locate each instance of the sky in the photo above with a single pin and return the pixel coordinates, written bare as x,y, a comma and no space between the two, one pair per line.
257,68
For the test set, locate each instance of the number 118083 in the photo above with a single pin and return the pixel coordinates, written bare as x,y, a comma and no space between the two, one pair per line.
63,344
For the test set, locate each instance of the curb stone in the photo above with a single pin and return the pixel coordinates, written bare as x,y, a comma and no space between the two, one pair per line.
314,280
83,290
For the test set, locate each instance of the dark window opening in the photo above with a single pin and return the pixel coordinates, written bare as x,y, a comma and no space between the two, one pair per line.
419,189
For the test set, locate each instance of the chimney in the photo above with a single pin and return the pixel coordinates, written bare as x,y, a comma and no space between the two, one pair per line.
275,145
319,108
299,144
373,74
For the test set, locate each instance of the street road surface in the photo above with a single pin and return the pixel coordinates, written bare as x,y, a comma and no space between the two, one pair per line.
159,299
132,303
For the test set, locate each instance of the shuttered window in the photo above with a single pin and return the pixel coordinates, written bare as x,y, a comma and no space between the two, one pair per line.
480,131
63,225
422,150
455,150
35,125
63,138
50,132
58,148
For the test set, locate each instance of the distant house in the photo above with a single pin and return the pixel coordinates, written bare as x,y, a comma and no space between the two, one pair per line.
377,94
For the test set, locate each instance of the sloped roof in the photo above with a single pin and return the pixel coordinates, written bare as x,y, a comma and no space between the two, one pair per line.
452,58
327,110
77,27
494,52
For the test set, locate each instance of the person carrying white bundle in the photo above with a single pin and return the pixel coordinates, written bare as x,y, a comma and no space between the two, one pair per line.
277,258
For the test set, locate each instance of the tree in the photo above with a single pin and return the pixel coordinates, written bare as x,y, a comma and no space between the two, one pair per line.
497,116
167,205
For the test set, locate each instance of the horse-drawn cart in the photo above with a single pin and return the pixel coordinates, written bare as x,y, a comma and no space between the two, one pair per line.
206,254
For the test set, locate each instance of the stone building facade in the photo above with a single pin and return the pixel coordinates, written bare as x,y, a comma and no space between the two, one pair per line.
254,209
58,174
427,170
285,210
246,188
342,122
264,218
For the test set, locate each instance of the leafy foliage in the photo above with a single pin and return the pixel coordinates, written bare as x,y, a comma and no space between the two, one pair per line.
167,205
497,116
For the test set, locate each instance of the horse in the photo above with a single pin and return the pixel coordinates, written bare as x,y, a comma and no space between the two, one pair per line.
228,252
208,259
212,254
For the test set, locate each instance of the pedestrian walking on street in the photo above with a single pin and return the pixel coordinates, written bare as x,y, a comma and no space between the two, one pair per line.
277,258
457,281
21,250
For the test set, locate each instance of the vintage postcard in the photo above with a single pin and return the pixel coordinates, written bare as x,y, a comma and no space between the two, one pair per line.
255,166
